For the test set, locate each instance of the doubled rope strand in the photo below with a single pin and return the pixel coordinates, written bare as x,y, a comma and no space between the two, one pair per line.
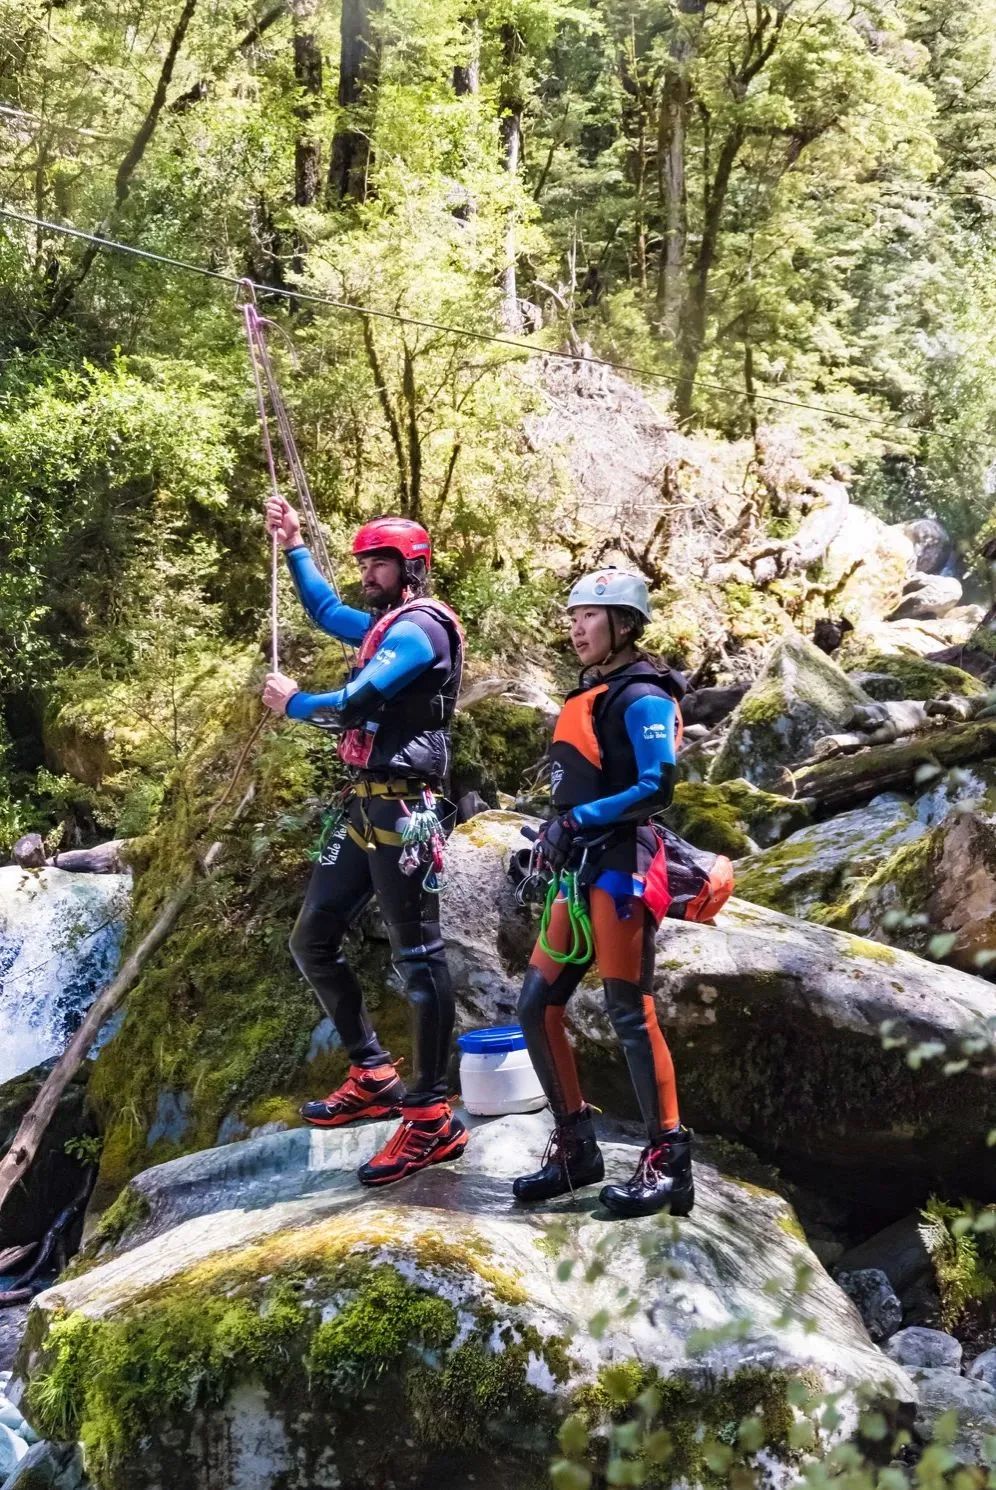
269,399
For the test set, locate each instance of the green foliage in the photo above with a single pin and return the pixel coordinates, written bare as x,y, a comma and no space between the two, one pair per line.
962,1249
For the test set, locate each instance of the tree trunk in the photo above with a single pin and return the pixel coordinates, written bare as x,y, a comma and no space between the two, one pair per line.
308,77
692,328
359,71
671,177
511,105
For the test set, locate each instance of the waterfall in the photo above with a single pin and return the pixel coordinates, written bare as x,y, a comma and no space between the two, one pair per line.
60,943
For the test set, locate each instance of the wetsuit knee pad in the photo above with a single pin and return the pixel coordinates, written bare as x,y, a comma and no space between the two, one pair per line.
624,1005
316,939
537,994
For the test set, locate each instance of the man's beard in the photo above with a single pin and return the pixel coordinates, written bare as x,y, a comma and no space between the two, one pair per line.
378,600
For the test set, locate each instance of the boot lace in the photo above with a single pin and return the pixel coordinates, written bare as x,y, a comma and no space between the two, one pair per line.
558,1151
654,1155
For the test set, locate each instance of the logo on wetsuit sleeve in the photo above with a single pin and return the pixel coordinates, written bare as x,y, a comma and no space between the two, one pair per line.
656,732
556,776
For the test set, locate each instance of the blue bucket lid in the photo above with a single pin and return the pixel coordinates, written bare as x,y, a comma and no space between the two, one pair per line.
493,1039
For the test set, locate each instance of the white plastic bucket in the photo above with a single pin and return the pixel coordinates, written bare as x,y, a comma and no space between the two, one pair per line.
496,1074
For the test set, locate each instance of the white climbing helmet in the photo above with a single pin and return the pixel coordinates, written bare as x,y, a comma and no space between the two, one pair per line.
611,586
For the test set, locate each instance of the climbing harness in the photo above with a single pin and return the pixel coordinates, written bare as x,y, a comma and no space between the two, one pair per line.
423,843
268,393
582,946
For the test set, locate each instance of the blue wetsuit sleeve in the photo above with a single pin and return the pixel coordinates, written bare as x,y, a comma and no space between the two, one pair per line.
404,653
320,600
650,723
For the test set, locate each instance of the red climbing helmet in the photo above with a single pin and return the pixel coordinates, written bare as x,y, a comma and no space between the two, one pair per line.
407,538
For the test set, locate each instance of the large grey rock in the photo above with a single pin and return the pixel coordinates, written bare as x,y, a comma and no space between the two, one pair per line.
983,1368
927,596
12,1450
925,1348
974,1404
937,897
812,867
49,1466
481,1340
800,695
932,547
29,851
877,1303
866,566
775,1025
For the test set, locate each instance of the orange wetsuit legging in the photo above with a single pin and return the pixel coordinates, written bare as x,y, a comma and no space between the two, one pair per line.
624,955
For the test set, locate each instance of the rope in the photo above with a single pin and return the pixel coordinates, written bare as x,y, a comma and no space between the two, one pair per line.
524,349
263,374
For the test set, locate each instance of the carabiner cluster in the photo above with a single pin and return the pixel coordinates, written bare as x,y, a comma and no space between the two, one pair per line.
582,946
422,844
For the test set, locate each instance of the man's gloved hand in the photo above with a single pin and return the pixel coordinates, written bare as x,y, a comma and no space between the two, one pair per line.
556,841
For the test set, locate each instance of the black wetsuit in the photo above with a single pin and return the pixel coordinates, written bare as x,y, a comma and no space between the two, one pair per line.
405,696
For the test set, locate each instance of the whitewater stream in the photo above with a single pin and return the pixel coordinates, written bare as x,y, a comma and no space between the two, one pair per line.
60,943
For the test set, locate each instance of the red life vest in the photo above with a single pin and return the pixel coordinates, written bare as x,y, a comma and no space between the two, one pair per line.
356,744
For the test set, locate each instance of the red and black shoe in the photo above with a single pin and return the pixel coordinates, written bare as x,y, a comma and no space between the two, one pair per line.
368,1092
428,1135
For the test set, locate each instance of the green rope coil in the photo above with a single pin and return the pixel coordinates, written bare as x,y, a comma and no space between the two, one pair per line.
582,946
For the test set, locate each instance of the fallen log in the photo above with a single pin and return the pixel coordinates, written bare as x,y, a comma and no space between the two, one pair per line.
103,858
12,1257
849,779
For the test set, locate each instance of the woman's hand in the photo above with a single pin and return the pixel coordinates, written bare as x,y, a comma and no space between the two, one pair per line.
278,690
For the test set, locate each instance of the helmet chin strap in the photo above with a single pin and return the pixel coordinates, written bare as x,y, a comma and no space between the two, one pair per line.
614,645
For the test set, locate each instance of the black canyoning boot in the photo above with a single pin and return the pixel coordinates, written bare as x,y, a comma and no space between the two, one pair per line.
572,1159
662,1182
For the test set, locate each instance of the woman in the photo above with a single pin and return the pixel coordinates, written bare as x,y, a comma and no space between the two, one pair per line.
612,764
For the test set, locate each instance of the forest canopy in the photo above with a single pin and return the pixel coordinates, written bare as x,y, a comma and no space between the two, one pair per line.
747,201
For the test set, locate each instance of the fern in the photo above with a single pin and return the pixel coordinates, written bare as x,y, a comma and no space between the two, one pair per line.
962,1253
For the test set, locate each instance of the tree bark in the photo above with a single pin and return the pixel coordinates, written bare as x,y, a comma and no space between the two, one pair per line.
691,331
850,779
672,134
359,72
308,77
24,1147
511,104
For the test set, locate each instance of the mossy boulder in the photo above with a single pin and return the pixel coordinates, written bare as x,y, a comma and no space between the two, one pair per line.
936,896
776,1026
886,676
732,817
268,1323
810,870
800,695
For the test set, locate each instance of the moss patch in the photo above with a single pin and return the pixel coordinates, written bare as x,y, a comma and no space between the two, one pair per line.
725,817
128,1211
912,676
316,1317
